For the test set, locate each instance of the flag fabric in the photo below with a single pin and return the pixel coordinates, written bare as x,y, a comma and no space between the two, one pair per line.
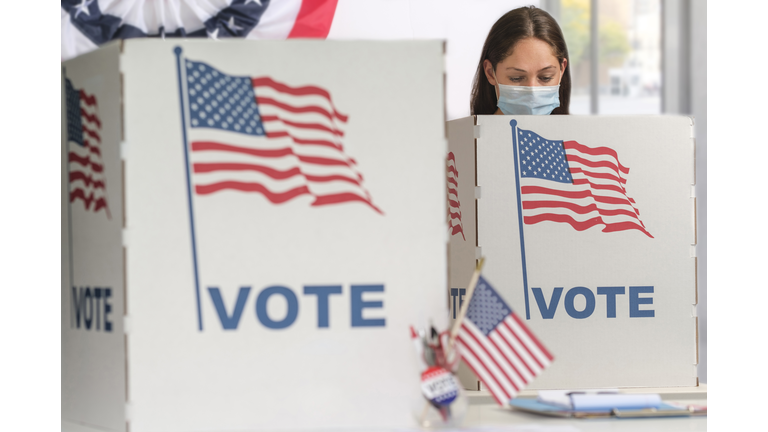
86,167
455,225
259,135
504,354
87,24
568,182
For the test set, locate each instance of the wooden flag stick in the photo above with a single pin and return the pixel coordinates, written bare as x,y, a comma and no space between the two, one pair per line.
465,305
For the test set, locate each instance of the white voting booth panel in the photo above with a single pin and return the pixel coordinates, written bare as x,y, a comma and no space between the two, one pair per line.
588,229
249,230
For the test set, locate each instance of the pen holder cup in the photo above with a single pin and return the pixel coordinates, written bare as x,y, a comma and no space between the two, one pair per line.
444,402
432,416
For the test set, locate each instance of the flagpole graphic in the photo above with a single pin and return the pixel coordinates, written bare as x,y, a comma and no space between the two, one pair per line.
69,214
513,125
177,50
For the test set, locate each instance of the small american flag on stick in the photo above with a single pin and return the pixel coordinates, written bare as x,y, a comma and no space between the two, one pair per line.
568,182
258,135
86,166
504,354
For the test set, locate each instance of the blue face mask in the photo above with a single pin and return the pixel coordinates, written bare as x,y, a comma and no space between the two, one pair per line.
539,100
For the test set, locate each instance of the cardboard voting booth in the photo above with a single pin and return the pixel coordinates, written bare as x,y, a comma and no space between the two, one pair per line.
248,231
588,226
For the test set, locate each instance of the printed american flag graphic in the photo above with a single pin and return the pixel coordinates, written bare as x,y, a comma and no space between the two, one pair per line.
258,135
568,182
454,206
86,166
504,354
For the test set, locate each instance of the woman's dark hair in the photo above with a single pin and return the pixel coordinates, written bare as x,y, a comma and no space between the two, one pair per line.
514,26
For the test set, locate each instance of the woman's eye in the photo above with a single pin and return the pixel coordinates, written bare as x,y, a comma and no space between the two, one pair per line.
546,79
516,79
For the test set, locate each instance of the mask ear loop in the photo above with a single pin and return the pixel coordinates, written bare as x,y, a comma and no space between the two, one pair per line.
496,87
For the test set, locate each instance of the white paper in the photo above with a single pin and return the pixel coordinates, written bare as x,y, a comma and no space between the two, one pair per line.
610,401
562,398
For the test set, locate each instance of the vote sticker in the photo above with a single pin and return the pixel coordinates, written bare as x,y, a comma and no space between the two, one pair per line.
439,386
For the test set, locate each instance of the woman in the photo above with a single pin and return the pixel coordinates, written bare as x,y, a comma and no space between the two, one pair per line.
523,67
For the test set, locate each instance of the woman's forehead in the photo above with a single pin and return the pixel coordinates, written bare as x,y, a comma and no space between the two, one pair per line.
531,48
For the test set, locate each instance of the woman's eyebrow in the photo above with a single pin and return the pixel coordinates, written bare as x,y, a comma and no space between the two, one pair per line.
523,70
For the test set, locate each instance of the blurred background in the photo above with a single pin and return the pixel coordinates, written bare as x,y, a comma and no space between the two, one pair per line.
627,57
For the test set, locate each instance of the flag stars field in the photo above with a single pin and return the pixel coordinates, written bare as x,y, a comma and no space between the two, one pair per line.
221,101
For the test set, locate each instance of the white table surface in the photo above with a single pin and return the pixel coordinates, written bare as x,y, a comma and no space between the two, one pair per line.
483,414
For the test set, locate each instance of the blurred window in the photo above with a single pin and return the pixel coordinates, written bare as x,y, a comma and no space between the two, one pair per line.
628,72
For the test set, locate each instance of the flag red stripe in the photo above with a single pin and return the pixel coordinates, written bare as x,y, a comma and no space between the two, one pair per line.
453,203
600,186
525,363
452,169
294,109
282,134
578,209
330,178
454,215
466,362
321,160
593,164
314,19
88,99
604,176
468,349
90,133
453,191
577,225
493,359
315,126
520,341
298,91
216,146
201,167
270,153
574,194
597,151
85,161
93,118
517,372
273,197
453,181
271,172
456,229
99,203
582,225
533,338
624,226
451,157
86,178
295,91
93,149
343,198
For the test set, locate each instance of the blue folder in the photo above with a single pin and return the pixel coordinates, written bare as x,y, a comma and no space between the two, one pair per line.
664,410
